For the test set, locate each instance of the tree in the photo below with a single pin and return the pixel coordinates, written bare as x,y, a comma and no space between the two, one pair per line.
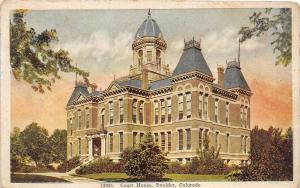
36,143
207,161
146,161
279,24
33,59
17,150
271,156
58,142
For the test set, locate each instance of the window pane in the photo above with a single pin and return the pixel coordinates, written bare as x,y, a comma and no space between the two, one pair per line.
180,139
188,138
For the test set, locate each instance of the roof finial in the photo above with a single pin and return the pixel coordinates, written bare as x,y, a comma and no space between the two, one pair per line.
149,13
239,52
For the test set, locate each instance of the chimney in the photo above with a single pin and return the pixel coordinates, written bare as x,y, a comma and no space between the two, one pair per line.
221,76
145,81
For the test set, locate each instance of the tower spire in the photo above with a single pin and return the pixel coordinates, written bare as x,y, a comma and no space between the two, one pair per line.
149,13
239,53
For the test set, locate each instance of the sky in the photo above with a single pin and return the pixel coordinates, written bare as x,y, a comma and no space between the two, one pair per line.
99,41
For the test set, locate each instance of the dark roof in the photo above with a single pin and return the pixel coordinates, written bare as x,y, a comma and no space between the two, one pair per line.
131,83
149,28
96,94
160,84
234,78
79,90
192,60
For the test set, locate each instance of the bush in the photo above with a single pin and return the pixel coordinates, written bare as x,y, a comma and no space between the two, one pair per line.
178,168
69,164
100,165
146,161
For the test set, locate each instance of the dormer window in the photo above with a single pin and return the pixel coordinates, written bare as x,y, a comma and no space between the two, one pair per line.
149,56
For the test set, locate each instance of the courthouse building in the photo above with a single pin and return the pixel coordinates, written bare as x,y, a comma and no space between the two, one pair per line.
181,108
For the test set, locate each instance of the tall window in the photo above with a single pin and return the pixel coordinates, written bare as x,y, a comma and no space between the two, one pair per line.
71,125
156,112
205,107
141,137
188,139
245,144
200,107
245,116
217,140
121,141
141,112
216,110
180,139
102,118
121,110
149,56
156,137
242,143
87,116
111,112
227,113
134,139
188,105
169,111
227,142
71,149
87,145
79,146
241,115
163,141
205,140
79,119
134,108
180,106
201,139
169,141
140,59
163,111
111,142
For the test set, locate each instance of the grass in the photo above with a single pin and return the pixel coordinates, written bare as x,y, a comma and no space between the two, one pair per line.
122,177
30,178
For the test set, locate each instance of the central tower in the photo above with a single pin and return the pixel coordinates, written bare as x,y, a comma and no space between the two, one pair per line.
149,49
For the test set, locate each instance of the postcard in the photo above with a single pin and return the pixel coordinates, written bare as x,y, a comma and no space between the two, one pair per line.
149,94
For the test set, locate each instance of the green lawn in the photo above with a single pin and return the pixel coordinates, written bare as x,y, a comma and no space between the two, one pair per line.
122,177
30,178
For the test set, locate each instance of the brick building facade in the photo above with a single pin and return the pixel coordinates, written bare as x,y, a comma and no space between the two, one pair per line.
180,108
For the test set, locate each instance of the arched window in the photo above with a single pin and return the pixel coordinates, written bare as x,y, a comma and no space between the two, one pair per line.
162,111
188,105
79,119
134,109
111,112
140,59
200,107
180,106
156,112
205,107
158,59
102,118
121,110
87,117
141,112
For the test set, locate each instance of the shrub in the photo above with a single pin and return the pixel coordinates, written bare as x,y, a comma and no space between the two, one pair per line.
178,168
69,164
100,165
146,161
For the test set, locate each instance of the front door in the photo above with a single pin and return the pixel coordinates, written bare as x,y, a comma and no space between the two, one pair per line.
96,147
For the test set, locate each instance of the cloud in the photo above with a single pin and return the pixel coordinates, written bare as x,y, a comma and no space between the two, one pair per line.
226,41
101,52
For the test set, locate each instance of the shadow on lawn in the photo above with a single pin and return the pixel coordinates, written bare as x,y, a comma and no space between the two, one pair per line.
131,179
30,178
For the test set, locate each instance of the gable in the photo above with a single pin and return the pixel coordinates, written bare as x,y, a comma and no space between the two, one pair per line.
80,97
113,86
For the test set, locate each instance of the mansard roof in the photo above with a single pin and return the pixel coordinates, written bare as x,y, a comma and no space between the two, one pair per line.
80,89
158,84
192,60
132,83
234,78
